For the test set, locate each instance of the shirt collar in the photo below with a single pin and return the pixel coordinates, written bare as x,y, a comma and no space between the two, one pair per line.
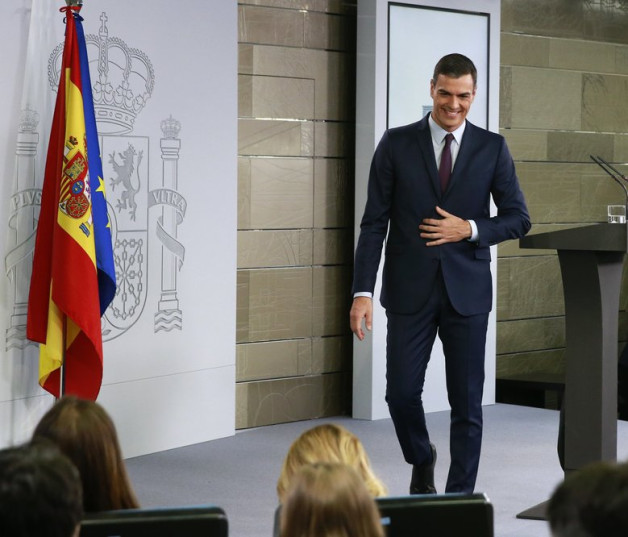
438,133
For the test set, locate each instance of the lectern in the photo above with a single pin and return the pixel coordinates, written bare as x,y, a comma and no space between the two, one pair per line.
591,262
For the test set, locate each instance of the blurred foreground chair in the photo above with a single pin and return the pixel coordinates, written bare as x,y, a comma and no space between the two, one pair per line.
437,515
201,521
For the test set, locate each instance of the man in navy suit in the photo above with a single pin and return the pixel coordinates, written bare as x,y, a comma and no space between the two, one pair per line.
428,200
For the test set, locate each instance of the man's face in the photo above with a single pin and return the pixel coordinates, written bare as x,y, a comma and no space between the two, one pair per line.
452,100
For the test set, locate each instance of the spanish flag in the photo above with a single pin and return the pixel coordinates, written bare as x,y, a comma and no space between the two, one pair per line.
73,279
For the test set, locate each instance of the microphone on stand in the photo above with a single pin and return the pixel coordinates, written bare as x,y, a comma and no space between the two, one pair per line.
617,176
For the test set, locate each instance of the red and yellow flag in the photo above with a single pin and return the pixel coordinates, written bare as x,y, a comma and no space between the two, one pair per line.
63,307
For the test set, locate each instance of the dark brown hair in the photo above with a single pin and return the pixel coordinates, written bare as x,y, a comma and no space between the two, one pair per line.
40,492
455,65
86,434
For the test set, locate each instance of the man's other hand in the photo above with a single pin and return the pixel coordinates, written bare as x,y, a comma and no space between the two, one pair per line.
362,308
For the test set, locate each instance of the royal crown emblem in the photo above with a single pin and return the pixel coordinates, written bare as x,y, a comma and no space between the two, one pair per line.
124,83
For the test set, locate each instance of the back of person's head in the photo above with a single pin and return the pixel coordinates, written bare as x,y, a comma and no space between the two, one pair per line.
40,493
86,434
329,500
591,502
328,443
455,65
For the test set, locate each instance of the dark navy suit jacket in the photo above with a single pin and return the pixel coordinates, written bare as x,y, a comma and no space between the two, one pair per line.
404,189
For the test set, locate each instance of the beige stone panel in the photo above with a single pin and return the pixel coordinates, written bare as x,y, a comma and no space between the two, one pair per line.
245,96
258,249
558,18
333,72
331,300
552,191
332,354
623,322
245,58
530,335
335,85
297,399
582,55
274,97
270,26
599,191
603,103
243,278
526,144
324,6
279,304
623,296
546,99
333,247
529,287
333,193
244,193
505,101
333,139
519,49
271,359
257,137
621,59
546,361
329,32
281,193
578,146
620,148
284,61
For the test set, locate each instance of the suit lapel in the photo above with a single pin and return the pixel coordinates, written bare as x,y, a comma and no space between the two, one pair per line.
427,150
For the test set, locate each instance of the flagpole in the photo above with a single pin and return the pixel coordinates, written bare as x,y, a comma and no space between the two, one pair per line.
69,3
63,345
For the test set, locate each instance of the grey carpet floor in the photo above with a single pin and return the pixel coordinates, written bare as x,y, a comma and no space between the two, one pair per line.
519,467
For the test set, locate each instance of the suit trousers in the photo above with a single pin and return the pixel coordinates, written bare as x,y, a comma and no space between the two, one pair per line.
409,345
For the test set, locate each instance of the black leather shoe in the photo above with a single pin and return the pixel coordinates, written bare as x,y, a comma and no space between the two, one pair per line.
423,476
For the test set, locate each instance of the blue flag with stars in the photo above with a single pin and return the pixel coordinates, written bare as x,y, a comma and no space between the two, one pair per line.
102,225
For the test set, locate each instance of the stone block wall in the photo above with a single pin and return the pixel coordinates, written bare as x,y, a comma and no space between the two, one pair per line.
295,209
564,90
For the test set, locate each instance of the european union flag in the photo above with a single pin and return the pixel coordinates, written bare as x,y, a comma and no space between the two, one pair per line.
102,225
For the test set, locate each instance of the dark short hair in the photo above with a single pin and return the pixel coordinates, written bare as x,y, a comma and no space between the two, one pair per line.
40,492
592,502
455,65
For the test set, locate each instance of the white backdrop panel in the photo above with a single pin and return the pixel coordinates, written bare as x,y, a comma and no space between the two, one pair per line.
169,336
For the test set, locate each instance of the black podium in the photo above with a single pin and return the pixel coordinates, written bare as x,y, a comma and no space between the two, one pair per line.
591,263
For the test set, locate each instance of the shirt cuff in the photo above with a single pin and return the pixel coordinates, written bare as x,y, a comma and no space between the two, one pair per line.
363,293
474,231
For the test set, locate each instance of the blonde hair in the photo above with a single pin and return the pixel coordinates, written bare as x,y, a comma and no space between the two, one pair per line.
329,500
328,443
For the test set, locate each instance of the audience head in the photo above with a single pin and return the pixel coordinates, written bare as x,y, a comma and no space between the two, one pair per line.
328,443
40,493
591,502
329,500
87,436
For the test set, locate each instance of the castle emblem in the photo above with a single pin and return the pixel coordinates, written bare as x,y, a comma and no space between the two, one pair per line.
74,199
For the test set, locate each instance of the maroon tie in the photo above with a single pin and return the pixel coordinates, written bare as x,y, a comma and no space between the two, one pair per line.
444,170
